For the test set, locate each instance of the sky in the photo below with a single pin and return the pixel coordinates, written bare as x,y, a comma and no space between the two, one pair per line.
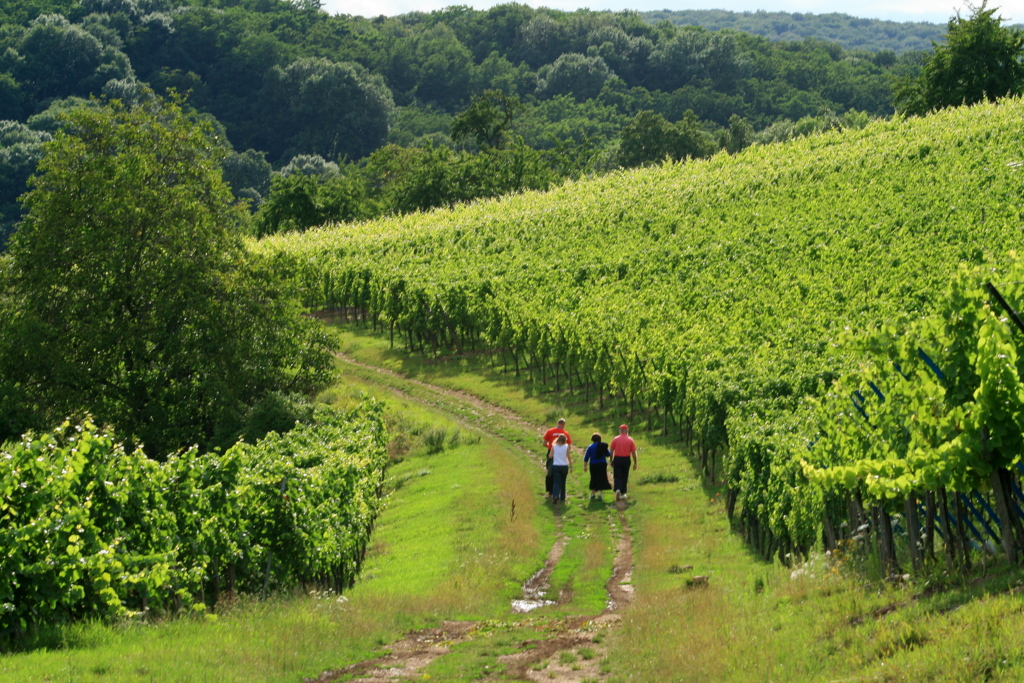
935,11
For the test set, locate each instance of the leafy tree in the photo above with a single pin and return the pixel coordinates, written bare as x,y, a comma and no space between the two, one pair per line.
496,72
311,164
54,117
693,54
21,148
403,180
740,134
980,60
542,39
445,67
849,31
317,106
575,74
12,98
487,119
61,59
248,170
626,55
128,90
299,201
411,124
130,294
650,138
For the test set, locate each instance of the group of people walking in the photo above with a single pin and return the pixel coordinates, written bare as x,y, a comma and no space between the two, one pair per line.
621,452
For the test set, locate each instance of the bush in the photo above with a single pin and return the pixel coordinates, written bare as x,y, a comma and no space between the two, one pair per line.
88,529
438,439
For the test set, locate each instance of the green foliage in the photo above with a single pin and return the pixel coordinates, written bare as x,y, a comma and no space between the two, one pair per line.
649,138
439,439
825,120
853,33
740,135
574,74
91,529
299,201
247,171
981,59
78,542
413,125
21,148
54,117
58,59
403,180
693,55
715,291
929,432
317,106
286,79
276,412
131,294
487,119
444,67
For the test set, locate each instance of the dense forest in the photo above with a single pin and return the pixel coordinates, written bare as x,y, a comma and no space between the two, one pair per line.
853,33
363,109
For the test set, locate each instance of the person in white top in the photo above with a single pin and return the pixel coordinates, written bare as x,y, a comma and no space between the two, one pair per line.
561,463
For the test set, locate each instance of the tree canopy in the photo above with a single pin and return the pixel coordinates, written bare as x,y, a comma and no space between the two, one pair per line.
981,60
130,294
487,119
649,138
281,79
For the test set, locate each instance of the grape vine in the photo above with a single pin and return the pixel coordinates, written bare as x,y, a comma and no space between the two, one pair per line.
88,529
713,296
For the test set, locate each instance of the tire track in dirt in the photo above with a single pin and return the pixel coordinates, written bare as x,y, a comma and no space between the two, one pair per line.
555,659
536,586
463,396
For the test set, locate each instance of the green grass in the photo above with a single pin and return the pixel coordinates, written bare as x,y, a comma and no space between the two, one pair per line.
752,622
478,656
586,560
416,574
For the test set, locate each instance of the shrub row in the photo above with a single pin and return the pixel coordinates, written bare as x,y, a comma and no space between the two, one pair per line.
88,529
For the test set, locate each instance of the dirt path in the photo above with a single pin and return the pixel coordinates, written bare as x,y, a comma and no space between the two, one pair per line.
536,587
489,409
572,654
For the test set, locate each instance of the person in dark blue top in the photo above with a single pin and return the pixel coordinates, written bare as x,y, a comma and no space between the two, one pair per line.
596,458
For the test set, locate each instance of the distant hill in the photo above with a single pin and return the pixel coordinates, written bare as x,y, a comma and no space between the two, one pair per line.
851,32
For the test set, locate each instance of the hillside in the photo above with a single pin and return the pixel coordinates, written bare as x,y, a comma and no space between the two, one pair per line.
742,267
853,33
282,81
709,296
699,303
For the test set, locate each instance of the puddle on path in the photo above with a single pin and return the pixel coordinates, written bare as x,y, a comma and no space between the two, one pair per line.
537,585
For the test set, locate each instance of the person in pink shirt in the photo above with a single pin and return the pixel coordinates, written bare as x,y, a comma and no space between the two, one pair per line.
623,449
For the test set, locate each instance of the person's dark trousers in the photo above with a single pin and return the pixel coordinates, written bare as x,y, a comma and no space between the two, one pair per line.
547,477
558,475
620,467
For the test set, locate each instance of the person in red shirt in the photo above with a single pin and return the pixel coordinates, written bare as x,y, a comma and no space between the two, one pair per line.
623,448
548,439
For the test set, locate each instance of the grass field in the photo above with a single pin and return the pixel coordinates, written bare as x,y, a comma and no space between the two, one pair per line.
754,621
449,548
